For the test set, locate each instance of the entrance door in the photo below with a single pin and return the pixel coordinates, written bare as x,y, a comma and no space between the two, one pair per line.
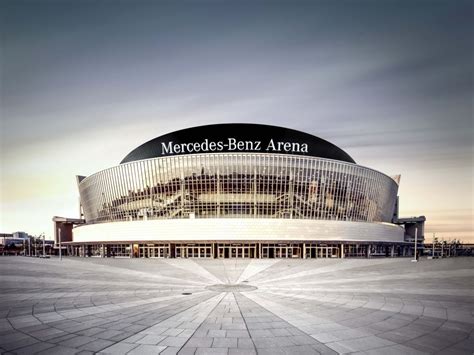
181,252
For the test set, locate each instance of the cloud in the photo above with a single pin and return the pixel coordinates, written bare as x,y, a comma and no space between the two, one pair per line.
86,82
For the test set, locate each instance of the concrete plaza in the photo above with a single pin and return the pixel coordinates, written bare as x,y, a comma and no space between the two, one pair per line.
192,306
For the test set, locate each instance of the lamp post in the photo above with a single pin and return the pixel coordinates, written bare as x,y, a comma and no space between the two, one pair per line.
416,245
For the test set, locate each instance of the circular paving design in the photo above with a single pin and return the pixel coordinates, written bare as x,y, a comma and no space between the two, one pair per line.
231,288
201,306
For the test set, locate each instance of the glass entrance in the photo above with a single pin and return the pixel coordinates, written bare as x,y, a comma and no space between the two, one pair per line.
194,251
314,251
281,251
154,251
236,251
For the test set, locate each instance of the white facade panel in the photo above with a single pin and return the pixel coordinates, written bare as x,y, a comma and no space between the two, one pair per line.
243,229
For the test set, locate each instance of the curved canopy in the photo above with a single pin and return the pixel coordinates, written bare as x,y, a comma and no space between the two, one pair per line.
240,138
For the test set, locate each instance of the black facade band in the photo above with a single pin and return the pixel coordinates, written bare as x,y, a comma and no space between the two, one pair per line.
237,138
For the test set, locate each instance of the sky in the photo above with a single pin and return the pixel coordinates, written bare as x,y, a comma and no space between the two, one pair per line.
85,82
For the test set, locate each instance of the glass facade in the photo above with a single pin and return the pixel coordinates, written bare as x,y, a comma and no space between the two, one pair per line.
238,185
310,250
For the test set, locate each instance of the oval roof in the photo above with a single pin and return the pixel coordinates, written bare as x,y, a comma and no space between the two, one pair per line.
237,137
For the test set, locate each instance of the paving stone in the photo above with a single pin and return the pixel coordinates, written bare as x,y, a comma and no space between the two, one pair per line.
146,349
395,350
302,339
173,341
34,348
237,334
199,343
108,334
97,345
298,306
119,348
211,351
173,332
148,339
245,343
77,341
361,344
280,332
241,351
90,331
182,351
224,343
216,333
18,344
59,350
171,350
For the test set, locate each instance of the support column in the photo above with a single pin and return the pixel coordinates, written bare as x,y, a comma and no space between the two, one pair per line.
304,250
131,251
255,193
218,192
392,251
342,251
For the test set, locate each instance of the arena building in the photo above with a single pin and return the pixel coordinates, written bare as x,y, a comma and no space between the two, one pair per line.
236,191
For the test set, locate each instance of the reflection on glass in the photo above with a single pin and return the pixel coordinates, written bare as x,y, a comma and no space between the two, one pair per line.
238,186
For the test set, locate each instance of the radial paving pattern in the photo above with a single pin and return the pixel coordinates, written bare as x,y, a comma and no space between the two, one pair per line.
151,306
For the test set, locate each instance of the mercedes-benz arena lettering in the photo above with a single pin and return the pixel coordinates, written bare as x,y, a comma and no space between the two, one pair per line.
232,145
237,190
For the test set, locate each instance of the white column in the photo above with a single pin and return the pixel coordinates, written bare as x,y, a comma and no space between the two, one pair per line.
416,246
60,248
342,251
